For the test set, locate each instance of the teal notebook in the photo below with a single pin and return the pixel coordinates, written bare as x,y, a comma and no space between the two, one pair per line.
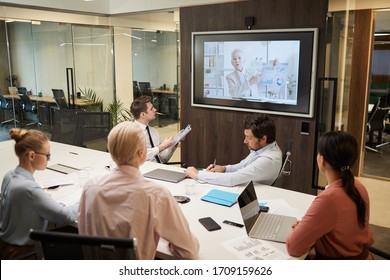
220,197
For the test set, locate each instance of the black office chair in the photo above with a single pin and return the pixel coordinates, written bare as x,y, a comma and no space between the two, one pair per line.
381,246
7,106
146,89
64,126
29,109
59,97
71,246
376,124
22,90
136,90
285,170
92,129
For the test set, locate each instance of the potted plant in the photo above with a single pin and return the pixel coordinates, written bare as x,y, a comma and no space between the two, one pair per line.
119,113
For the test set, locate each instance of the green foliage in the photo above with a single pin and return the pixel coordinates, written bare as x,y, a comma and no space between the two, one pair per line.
119,113
90,94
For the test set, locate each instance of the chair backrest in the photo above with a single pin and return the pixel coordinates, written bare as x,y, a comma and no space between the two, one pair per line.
71,246
27,104
59,97
22,90
92,129
147,90
3,102
285,170
64,126
381,246
136,90
378,114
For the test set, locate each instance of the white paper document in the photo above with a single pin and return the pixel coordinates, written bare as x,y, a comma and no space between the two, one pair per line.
246,248
58,181
281,207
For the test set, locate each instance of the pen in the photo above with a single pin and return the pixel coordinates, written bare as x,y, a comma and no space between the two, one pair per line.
214,163
73,153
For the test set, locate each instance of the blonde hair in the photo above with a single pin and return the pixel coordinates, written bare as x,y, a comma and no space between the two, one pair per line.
124,141
27,140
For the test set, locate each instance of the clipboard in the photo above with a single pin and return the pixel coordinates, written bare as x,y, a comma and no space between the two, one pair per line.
220,197
182,134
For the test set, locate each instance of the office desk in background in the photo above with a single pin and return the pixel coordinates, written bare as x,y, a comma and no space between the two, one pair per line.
168,102
211,243
79,102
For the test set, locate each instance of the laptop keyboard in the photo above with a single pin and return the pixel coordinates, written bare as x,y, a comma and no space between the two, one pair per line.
269,226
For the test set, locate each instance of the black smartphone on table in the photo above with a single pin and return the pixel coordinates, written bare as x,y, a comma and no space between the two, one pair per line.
209,224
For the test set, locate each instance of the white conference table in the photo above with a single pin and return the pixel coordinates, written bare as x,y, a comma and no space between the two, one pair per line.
211,246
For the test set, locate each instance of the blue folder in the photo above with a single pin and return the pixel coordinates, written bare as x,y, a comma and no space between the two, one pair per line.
220,197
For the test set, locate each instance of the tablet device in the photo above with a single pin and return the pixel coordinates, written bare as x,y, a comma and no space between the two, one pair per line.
182,134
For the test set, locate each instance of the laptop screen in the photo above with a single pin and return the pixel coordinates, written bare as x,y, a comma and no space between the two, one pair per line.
249,206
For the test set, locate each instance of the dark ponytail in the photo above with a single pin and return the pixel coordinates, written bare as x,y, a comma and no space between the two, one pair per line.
339,149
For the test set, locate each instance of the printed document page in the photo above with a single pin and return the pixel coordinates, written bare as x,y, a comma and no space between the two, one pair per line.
246,248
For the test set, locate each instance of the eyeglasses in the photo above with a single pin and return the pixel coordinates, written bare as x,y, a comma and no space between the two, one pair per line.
47,155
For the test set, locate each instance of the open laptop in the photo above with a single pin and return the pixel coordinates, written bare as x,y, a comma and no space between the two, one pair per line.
165,175
259,224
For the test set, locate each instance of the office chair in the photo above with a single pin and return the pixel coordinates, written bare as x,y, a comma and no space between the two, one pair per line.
7,106
146,89
376,123
64,126
285,170
381,246
28,107
22,90
92,129
59,97
52,245
136,90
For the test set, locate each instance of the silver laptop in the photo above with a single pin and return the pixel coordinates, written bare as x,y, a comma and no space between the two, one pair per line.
166,175
259,224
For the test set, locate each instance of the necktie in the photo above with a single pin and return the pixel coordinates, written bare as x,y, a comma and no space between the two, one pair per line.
151,143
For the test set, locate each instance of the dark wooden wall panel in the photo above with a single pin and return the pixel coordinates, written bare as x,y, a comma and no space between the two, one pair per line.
360,79
219,133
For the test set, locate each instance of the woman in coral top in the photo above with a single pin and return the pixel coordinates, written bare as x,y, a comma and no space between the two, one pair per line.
337,223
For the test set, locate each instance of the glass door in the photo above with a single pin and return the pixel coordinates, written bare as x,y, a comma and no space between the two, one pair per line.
377,149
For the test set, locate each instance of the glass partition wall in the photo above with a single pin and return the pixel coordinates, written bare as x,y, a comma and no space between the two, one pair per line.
156,70
42,56
336,87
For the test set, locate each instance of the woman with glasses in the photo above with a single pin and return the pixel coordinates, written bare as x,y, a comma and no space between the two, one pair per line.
24,204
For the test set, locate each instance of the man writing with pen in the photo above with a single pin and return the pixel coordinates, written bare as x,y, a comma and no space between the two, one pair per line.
262,165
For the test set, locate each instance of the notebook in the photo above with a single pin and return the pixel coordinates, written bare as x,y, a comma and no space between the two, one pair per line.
262,225
165,175
220,197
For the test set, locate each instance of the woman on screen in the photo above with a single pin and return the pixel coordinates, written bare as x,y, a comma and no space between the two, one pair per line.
124,204
243,81
337,223
24,203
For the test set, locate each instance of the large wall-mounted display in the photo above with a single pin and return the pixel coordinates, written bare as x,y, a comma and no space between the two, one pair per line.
269,71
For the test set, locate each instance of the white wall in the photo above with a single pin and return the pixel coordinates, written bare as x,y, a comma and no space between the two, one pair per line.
123,65
113,6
